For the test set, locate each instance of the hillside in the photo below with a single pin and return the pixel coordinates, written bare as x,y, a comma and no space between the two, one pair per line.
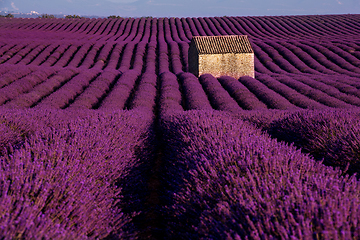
311,58
104,134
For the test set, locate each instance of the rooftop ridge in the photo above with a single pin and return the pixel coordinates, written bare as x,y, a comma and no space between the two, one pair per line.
222,44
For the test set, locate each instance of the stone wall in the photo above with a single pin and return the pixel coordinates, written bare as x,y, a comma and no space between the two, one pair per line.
226,64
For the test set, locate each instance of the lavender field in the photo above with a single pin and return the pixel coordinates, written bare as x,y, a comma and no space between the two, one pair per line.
105,134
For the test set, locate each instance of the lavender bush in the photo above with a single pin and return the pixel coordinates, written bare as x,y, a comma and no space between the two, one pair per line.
271,98
331,136
226,179
195,96
246,99
67,179
218,96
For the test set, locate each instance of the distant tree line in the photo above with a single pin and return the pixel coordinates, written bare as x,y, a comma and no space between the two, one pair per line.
9,15
52,16
67,16
47,16
73,16
113,16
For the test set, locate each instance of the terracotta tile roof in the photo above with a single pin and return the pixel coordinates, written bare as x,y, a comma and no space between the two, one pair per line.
222,44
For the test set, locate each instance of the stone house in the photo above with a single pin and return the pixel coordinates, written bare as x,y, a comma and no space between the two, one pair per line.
229,55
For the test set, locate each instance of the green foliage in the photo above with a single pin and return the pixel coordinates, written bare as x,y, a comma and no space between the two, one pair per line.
47,16
113,16
9,15
73,16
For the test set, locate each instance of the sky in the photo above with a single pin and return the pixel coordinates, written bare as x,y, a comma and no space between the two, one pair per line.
183,8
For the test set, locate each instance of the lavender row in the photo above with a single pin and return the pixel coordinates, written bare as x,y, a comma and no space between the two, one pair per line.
163,58
177,30
331,136
5,48
120,92
167,30
55,56
259,67
102,56
319,57
223,27
271,98
6,68
68,92
339,61
139,57
263,28
339,28
123,29
129,30
243,28
40,91
76,60
276,29
352,81
45,54
195,96
331,91
192,27
277,58
96,91
337,83
145,94
312,93
290,94
126,29
98,27
170,95
146,33
116,29
215,26
207,28
342,53
280,26
304,29
22,53
139,34
347,47
307,58
66,57
266,60
292,58
246,99
126,57
74,176
74,24
113,61
219,98
225,179
11,52
24,84
175,61
150,59
14,75
33,54
298,59
183,24
89,58
352,24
